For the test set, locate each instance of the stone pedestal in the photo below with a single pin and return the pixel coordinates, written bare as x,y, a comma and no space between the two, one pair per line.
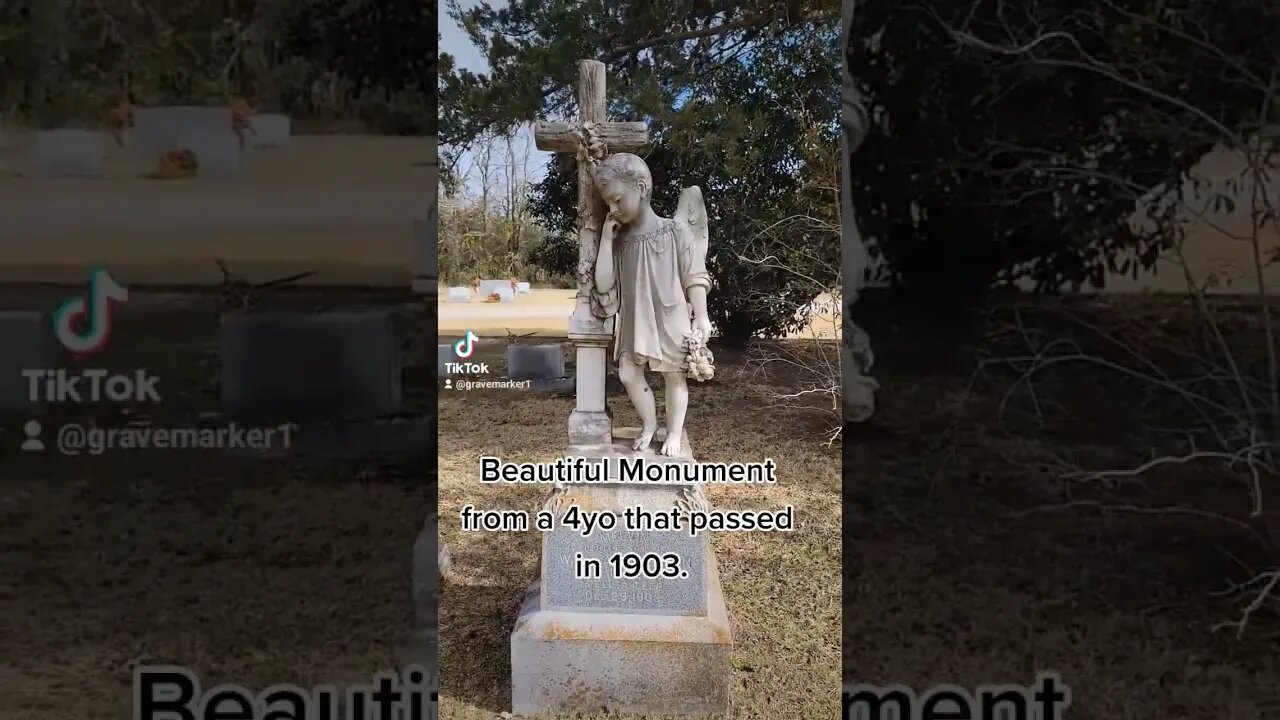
618,645
591,423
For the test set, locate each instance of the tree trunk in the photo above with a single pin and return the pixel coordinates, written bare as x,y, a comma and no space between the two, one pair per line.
858,397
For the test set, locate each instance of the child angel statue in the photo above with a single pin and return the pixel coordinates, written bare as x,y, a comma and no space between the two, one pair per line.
651,274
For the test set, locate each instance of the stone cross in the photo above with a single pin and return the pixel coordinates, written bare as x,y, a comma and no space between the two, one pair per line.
590,140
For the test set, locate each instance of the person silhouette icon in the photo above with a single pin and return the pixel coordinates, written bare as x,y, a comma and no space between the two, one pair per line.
33,443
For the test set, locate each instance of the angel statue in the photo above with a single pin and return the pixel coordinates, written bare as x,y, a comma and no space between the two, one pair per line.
651,273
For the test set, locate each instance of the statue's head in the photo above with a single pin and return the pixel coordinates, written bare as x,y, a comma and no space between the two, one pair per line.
626,184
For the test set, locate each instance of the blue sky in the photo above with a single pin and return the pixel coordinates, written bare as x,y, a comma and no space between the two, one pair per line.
456,43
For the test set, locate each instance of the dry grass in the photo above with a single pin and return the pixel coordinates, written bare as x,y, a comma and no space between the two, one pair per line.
544,312
262,570
783,591
249,569
964,565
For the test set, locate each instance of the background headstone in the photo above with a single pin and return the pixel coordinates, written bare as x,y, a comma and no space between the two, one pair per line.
459,294
489,287
523,287
335,366
535,362
157,130
67,153
269,131
26,343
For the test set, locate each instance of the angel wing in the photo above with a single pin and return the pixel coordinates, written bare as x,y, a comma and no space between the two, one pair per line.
692,211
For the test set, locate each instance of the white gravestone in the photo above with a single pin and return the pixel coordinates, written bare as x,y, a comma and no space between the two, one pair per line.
458,295
157,130
523,287
269,131
489,287
67,153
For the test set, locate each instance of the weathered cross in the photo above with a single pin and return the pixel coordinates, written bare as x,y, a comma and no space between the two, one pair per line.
589,140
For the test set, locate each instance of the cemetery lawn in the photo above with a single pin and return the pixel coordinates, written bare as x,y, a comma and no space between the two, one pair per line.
251,570
782,590
963,563
338,205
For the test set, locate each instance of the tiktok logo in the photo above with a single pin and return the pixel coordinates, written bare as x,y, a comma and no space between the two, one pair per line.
467,345
84,326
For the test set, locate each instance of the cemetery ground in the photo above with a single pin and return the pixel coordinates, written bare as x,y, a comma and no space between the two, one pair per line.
249,569
970,560
341,205
544,312
782,589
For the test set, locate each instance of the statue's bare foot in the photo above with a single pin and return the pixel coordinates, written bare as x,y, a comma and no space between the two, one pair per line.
671,446
642,442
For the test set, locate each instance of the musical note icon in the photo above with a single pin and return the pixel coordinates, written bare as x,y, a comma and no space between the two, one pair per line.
94,315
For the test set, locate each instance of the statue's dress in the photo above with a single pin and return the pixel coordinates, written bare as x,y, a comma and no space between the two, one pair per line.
654,271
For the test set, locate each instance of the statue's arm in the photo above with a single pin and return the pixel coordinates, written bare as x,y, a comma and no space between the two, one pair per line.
694,277
604,295
691,262
605,275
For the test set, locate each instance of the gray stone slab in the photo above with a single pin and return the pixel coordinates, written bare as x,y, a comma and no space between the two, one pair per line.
535,362
26,343
218,153
554,385
67,153
407,438
459,295
269,131
563,590
336,366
